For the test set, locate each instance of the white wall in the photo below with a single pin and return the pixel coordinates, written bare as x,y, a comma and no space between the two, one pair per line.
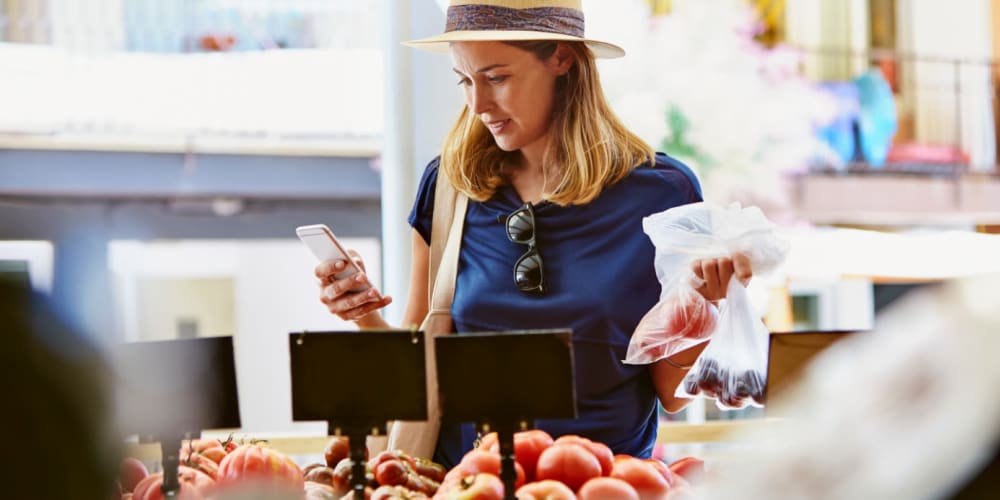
274,293
38,255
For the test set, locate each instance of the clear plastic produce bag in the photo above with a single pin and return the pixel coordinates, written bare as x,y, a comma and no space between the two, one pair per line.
683,318
732,367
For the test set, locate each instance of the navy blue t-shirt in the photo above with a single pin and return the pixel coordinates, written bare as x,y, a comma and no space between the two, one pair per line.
600,281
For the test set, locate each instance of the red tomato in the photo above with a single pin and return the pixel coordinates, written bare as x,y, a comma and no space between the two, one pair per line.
477,461
528,446
545,490
396,493
693,318
482,486
130,472
259,463
204,464
568,462
607,488
647,481
194,446
488,442
690,468
662,469
319,474
600,450
338,449
318,491
214,454
195,485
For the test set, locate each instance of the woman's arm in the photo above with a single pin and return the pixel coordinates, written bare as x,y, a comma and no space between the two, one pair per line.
363,307
416,302
666,377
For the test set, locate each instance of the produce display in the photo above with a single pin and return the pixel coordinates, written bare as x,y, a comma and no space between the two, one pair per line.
570,467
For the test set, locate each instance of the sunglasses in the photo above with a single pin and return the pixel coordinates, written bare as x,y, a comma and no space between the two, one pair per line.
528,269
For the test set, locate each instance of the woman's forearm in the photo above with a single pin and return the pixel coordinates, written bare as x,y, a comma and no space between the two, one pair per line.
666,377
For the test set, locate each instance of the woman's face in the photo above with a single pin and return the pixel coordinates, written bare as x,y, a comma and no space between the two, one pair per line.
510,90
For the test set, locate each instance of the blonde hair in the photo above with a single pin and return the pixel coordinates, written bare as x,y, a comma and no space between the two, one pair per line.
590,148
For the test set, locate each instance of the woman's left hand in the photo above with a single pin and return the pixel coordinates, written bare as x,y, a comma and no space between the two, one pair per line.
716,274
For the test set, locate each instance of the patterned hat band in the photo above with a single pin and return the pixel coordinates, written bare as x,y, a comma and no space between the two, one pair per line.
473,17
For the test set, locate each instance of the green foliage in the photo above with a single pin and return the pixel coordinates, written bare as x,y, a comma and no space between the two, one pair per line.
676,143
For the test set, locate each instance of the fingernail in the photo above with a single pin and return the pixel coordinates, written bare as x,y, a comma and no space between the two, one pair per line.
360,278
339,264
371,293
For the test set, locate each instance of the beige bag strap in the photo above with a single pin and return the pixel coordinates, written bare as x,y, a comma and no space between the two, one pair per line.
449,207
443,266
420,438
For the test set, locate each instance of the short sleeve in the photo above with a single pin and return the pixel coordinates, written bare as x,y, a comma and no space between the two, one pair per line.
680,175
422,213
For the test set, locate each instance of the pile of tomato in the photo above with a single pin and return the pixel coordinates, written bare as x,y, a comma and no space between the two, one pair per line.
567,468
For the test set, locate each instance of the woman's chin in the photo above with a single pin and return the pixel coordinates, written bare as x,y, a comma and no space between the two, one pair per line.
505,144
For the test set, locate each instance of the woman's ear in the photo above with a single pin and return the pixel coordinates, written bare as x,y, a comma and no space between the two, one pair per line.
562,60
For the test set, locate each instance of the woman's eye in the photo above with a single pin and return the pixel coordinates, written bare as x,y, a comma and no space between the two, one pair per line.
496,79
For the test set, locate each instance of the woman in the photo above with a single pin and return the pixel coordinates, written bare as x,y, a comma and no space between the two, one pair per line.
538,147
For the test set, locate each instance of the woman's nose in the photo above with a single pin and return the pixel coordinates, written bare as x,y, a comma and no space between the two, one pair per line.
479,100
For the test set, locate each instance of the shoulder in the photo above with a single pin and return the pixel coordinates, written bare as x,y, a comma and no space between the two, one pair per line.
670,173
431,172
422,213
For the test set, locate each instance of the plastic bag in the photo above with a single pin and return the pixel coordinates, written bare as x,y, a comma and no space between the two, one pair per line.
732,367
683,318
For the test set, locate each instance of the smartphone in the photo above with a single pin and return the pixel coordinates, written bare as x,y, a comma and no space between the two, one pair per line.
324,246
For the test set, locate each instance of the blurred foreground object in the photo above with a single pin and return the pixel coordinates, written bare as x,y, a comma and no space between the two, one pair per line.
908,411
57,409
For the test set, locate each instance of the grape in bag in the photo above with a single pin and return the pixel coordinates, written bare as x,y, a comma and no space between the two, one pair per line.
731,369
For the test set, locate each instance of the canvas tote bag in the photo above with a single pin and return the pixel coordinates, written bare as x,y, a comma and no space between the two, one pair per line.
419,439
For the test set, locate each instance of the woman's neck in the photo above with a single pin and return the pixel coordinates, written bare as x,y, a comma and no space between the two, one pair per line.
527,173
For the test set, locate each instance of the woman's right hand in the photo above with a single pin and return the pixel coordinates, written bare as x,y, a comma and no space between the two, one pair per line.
338,298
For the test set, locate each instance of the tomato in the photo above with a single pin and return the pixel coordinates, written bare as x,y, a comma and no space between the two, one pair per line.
338,449
259,463
570,463
481,486
389,455
430,469
319,474
607,488
690,468
489,442
204,464
600,450
195,485
648,482
545,490
694,318
130,472
396,493
528,446
319,491
662,469
194,446
477,461
214,454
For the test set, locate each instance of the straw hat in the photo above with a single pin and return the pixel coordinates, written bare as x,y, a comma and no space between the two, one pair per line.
513,20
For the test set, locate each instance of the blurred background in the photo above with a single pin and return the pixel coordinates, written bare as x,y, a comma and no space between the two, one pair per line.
156,155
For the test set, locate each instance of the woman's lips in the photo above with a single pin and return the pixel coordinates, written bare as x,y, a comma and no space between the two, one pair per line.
497,126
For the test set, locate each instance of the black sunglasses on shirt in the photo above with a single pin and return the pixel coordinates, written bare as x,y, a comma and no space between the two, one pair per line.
520,226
